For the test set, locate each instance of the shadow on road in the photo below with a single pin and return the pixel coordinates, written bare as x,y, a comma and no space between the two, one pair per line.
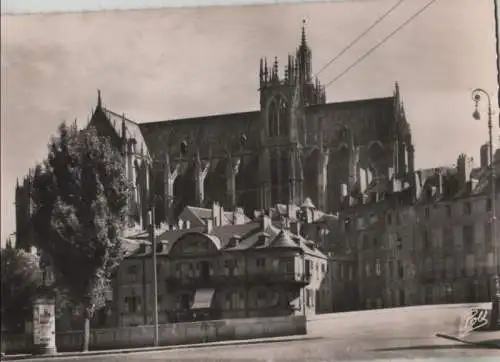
432,347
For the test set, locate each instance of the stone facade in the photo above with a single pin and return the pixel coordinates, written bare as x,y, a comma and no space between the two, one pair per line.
224,271
425,241
342,157
454,233
295,146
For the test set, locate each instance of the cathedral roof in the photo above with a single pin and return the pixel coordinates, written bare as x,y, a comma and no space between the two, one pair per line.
221,126
201,214
385,102
132,129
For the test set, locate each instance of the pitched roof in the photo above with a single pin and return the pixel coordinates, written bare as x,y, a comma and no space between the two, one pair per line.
201,214
248,234
283,240
132,129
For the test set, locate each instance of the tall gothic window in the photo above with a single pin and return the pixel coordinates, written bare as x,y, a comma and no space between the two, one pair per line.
273,119
278,117
283,117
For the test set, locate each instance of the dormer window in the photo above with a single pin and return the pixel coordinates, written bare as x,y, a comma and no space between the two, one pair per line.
262,238
234,241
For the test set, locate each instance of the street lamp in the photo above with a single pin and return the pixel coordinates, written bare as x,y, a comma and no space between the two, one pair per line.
152,236
495,311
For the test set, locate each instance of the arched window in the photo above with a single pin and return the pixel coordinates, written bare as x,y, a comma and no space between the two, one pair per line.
278,117
273,119
283,117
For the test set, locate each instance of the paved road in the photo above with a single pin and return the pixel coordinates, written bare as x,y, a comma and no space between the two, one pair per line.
383,334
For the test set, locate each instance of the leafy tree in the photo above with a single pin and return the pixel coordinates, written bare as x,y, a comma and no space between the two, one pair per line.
80,197
21,280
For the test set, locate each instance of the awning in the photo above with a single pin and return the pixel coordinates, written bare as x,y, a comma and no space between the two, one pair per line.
203,299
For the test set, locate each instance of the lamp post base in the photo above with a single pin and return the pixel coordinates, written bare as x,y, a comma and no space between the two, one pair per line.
495,306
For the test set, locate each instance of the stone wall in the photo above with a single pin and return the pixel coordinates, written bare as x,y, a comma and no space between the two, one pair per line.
169,334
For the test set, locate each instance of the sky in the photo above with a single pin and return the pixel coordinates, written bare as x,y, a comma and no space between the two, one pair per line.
36,6
185,62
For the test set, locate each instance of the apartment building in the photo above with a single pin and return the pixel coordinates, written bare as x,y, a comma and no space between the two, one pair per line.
224,271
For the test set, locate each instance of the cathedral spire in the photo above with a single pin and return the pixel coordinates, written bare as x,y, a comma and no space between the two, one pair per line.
304,58
261,71
303,39
99,101
275,74
266,71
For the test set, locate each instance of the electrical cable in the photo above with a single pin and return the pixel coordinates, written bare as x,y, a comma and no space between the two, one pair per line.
364,56
360,36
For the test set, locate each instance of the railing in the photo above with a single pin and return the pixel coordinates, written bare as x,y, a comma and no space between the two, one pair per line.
214,313
264,278
276,278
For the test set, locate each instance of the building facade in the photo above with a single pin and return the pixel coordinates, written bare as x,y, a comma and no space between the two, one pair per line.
428,243
295,146
454,232
224,271
348,158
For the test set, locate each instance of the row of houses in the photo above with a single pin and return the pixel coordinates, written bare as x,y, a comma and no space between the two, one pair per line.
430,243
223,267
421,241
426,244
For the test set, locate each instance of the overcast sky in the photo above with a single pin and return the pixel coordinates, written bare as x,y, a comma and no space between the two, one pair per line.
162,64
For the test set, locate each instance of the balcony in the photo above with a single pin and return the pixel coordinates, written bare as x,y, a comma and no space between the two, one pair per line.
261,278
268,278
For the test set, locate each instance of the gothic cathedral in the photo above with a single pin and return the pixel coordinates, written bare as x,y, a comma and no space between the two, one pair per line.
296,146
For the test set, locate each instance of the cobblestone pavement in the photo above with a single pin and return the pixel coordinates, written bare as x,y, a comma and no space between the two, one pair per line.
383,334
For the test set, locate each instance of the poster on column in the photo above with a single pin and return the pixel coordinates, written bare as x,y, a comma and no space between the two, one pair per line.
44,322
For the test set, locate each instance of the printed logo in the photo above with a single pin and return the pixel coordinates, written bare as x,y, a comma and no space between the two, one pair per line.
473,320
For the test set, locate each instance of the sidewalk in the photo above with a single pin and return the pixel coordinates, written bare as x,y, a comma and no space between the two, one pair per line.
160,348
489,339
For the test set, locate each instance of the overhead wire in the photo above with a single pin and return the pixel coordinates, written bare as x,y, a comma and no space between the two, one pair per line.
351,44
379,44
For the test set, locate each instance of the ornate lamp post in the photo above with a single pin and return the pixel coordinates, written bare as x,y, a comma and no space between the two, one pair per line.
495,312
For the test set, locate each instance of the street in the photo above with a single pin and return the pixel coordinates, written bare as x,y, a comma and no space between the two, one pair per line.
381,334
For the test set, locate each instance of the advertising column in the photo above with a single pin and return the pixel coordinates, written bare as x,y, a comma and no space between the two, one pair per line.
44,326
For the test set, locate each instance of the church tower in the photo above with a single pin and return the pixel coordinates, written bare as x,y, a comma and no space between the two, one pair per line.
282,105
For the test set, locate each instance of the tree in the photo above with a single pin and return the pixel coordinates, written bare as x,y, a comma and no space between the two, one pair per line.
21,280
80,209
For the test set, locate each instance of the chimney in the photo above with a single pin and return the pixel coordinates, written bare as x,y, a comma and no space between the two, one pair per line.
484,155
464,169
295,227
440,185
238,216
209,226
215,213
363,178
265,222
221,216
343,192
